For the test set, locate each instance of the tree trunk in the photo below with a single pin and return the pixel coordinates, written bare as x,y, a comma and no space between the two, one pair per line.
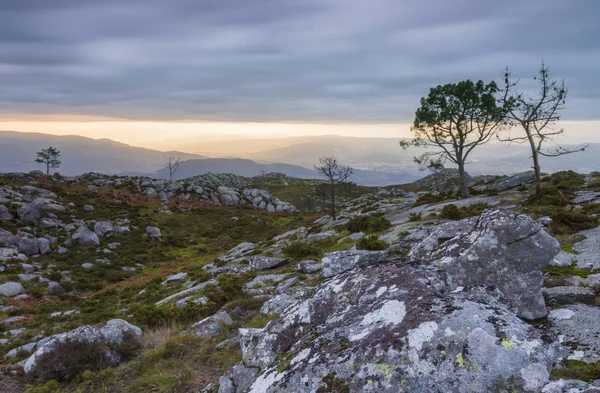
538,174
464,188
47,168
333,201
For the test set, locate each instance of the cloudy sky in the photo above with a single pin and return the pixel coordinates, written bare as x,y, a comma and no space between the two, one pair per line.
357,62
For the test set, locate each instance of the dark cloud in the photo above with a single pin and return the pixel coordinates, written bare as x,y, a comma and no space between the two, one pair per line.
283,60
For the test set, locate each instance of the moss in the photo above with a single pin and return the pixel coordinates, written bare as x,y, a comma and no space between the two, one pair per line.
333,384
572,270
369,224
576,369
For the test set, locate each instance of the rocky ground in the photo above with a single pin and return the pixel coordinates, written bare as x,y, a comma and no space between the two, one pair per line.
212,285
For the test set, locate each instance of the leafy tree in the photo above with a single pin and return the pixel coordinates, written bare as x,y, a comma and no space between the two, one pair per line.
537,117
172,163
454,119
49,157
335,174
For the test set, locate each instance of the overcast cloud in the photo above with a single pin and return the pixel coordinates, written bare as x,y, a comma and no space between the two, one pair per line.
284,60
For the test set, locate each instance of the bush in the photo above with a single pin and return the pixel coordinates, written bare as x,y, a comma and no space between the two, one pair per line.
412,217
370,224
450,212
371,243
430,198
71,358
299,250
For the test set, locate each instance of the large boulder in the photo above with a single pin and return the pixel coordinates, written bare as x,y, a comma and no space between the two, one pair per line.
211,326
29,246
338,262
516,180
84,237
153,231
9,289
116,332
504,249
31,213
389,329
5,214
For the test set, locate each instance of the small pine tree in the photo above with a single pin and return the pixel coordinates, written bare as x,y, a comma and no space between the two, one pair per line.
49,157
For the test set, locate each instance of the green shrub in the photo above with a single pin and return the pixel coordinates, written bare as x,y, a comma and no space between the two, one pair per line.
430,198
299,250
368,223
412,217
450,212
48,387
371,243
71,358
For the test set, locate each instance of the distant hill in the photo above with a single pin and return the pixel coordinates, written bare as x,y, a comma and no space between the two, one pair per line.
249,168
79,154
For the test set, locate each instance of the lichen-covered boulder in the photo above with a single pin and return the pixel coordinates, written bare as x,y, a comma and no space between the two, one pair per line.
261,262
389,328
104,228
29,246
338,262
115,332
11,289
211,326
504,249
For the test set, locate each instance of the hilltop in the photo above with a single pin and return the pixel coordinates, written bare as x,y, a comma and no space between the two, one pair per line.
221,283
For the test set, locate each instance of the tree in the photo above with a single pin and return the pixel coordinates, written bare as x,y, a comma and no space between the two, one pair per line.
173,164
335,174
537,116
456,118
436,167
49,157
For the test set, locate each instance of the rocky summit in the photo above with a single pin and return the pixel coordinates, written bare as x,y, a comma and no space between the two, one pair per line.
130,284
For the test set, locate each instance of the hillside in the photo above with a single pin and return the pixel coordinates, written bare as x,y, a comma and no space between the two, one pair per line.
79,154
191,286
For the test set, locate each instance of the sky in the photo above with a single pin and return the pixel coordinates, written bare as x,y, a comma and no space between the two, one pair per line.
146,70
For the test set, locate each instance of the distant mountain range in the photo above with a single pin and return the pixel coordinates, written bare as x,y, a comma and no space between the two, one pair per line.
377,161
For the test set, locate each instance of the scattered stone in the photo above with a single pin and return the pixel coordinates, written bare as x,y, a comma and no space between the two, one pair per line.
309,266
153,231
54,288
211,326
87,265
175,277
104,228
569,295
516,180
320,236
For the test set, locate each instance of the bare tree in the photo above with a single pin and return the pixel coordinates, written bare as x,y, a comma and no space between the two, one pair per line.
454,119
537,116
173,164
335,174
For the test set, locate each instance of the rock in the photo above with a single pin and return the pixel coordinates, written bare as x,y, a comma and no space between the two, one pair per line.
6,254
186,300
569,295
585,196
54,288
27,348
238,379
44,246
116,331
211,326
309,266
29,246
399,328
175,277
592,280
87,265
563,386
9,289
5,214
62,250
260,262
32,212
153,231
12,320
84,237
187,292
338,262
265,280
320,236
563,259
88,208
27,267
104,228
506,250
516,180
27,277
588,250
237,252
577,326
